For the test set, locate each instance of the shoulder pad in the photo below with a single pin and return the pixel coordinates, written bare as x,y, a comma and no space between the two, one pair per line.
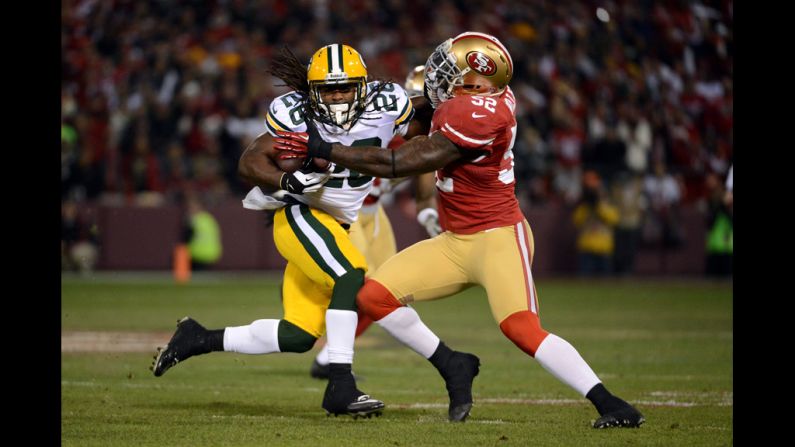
471,121
392,102
284,113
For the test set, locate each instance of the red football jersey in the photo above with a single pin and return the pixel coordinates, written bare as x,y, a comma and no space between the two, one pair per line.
477,193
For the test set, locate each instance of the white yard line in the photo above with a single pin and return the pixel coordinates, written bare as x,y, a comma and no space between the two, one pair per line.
95,341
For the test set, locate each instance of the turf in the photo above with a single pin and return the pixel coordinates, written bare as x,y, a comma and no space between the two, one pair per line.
665,346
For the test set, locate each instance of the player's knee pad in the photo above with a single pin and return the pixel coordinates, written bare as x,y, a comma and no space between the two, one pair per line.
375,300
294,339
343,296
524,330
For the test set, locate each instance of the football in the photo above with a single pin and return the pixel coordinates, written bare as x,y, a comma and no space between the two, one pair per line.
294,164
290,164
320,164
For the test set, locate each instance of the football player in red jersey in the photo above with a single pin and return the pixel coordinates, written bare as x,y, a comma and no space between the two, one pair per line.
486,238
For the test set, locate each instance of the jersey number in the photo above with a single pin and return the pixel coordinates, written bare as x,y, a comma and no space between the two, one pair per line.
488,103
386,101
295,114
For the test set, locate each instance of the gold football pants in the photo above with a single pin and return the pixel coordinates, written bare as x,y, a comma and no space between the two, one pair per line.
318,250
497,259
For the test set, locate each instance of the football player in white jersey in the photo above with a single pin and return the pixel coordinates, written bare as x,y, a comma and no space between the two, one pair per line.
310,225
372,232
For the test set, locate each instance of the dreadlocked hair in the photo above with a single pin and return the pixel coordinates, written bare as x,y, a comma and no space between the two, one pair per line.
286,66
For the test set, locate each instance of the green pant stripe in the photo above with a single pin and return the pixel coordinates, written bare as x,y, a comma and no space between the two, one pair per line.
328,238
306,243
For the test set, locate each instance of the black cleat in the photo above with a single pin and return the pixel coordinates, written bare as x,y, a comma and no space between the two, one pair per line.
626,416
365,406
458,374
187,341
318,371
342,397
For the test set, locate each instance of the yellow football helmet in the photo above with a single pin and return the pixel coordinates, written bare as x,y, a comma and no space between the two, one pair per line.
470,52
337,64
415,81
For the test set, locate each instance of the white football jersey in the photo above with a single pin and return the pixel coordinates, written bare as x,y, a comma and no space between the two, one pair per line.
387,115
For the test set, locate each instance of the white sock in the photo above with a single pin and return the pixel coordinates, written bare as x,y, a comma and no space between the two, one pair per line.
259,337
322,356
340,332
560,358
405,325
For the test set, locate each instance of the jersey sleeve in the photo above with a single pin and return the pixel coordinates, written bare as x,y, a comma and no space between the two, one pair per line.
467,124
394,103
284,114
406,112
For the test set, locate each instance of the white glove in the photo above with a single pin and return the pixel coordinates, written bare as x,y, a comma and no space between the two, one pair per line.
301,183
429,218
381,186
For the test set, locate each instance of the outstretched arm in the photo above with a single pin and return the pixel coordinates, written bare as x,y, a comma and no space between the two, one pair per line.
408,164
419,154
416,156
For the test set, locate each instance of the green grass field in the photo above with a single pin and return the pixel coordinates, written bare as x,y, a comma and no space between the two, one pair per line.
665,346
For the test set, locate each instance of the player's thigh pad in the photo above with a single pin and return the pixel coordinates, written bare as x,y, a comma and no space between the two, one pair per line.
316,243
304,301
502,266
427,270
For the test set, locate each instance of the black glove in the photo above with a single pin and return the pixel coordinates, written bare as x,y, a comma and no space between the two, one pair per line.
302,182
316,147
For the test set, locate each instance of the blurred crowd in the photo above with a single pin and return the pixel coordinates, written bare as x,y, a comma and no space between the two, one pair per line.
160,97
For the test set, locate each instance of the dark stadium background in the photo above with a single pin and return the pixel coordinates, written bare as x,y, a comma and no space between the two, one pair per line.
159,98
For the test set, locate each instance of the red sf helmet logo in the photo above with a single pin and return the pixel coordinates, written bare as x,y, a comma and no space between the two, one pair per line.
481,63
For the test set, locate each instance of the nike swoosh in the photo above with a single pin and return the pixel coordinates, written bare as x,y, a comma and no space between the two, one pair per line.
475,115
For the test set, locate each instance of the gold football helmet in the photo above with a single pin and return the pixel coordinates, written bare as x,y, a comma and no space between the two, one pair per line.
415,81
337,64
480,54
